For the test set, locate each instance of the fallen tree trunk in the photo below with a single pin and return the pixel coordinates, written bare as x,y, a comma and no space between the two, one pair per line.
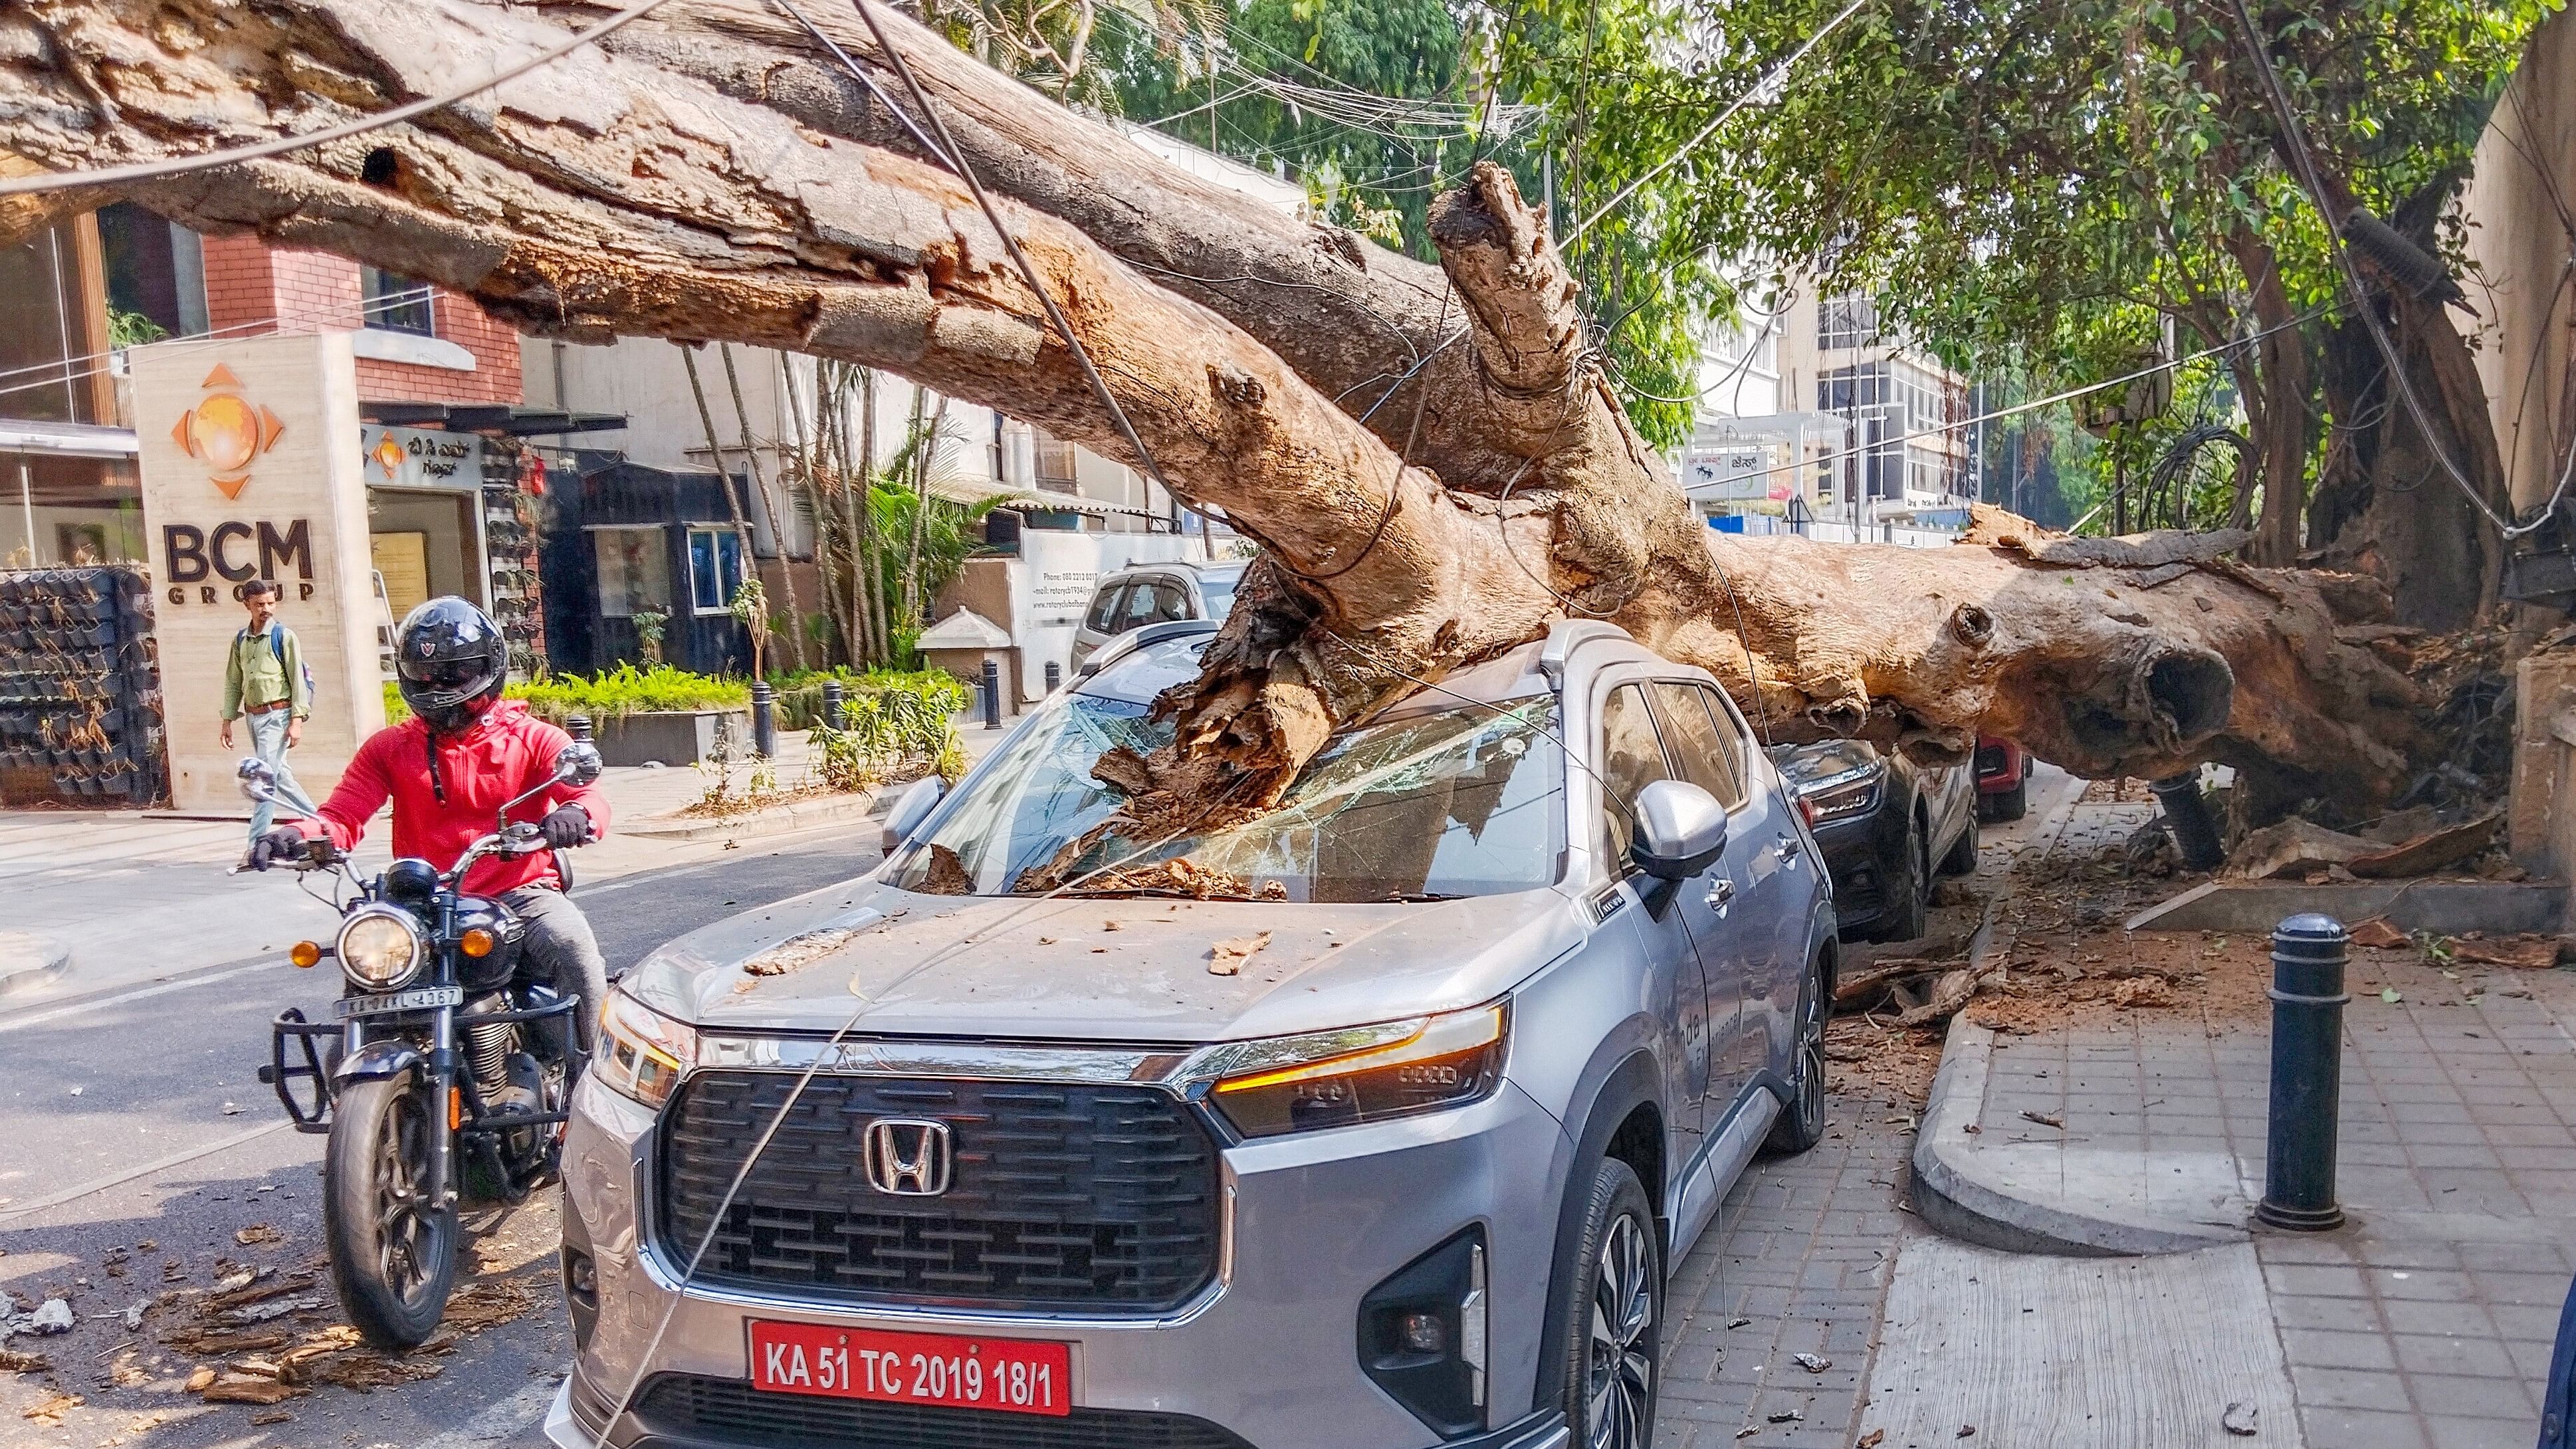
1431,460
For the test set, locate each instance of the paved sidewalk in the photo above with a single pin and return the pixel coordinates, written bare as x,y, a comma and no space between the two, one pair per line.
2426,1322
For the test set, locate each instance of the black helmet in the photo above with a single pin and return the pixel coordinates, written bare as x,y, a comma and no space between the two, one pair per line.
449,657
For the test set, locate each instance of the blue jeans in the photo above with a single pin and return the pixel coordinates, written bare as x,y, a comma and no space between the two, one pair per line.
268,741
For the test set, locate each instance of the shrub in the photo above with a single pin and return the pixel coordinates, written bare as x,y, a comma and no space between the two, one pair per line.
892,723
613,694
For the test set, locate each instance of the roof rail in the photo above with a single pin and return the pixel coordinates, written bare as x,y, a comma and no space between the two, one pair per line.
1565,636
1128,643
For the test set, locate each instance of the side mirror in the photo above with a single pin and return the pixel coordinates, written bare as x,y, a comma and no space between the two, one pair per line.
258,782
910,809
1681,830
577,763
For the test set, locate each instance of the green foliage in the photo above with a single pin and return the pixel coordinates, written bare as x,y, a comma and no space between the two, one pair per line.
893,723
132,329
800,694
650,625
613,694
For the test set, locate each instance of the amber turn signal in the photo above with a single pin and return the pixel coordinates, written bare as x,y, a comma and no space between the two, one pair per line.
304,953
475,942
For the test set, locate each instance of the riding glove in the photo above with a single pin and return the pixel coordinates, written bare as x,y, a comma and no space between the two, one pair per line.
567,827
283,843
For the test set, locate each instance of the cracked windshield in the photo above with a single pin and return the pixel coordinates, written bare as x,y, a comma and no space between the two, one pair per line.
1459,802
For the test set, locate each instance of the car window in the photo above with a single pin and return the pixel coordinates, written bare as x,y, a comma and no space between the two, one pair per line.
1103,618
1708,751
1631,759
1169,601
1463,802
1139,610
1218,591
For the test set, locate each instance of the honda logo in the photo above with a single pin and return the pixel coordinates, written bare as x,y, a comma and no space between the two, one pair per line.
908,1156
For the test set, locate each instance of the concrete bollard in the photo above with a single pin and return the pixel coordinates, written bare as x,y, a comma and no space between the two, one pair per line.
2187,815
992,695
832,697
577,726
2308,954
764,720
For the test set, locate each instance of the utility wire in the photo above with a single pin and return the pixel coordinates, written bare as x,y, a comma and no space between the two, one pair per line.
55,371
2310,181
278,145
1767,84
2033,406
946,151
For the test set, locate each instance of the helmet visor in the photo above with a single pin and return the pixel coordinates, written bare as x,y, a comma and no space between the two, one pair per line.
446,676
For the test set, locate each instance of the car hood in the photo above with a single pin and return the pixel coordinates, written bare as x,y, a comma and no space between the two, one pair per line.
883,961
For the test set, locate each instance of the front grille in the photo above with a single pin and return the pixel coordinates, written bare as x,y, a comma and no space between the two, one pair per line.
1064,1196
731,1412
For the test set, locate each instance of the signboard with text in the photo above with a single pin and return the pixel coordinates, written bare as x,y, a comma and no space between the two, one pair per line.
418,458
250,470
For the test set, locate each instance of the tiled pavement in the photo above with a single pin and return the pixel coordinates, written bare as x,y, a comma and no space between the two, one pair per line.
1802,1252
2427,1322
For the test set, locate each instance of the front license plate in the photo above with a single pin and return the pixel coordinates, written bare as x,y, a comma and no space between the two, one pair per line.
419,999
1023,1376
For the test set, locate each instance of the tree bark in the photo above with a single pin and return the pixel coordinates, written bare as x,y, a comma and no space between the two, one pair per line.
697,181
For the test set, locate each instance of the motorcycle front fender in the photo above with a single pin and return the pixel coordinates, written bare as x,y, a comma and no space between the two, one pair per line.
386,1058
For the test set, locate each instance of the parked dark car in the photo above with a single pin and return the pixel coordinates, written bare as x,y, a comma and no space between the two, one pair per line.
1883,823
2003,779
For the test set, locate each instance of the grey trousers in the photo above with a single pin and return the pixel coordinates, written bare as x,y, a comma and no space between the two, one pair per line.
562,952
268,741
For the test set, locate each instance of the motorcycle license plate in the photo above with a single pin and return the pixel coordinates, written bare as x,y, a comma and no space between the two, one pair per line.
421,998
1020,1375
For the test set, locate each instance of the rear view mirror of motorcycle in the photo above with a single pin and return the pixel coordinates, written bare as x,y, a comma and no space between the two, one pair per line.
577,763
257,780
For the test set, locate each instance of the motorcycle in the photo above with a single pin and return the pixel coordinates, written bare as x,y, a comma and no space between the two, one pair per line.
441,1080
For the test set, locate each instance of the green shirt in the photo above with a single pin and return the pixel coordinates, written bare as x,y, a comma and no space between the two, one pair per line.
254,675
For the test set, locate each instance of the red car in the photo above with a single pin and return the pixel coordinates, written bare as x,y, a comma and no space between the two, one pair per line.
2003,779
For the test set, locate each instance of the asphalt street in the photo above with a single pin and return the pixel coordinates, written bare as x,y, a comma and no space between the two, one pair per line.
133,1117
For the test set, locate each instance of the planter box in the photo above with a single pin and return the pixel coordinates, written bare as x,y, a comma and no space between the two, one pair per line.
673,737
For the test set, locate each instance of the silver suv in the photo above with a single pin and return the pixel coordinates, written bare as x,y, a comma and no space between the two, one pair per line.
1372,1122
1148,594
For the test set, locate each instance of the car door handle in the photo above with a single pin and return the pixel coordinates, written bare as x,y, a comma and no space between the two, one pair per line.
1788,851
1721,893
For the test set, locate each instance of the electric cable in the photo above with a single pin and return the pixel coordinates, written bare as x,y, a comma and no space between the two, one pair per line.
1777,74
373,121
385,303
2313,184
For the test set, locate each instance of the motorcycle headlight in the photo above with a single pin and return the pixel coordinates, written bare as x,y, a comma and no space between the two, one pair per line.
642,1053
1360,1074
1853,792
380,950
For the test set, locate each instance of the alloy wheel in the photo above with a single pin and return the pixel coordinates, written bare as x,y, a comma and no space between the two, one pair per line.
1811,1054
1620,1355
406,1227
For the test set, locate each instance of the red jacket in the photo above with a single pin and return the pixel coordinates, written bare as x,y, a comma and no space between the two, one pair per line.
504,752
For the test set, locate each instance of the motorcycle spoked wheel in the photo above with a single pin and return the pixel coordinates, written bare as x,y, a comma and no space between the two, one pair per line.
393,1252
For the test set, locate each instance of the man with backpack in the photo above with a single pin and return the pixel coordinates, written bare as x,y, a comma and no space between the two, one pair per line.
265,683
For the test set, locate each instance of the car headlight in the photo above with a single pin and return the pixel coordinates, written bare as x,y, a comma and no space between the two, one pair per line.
380,950
1359,1074
642,1053
1852,792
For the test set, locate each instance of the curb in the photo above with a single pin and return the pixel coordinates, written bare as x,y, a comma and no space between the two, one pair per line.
1959,1201
28,960
776,820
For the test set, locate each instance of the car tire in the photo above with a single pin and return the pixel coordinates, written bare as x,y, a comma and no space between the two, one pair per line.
2012,804
1801,1124
1909,895
1962,859
1612,1335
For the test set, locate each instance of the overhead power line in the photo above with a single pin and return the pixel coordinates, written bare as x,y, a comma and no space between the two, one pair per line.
1769,83
278,145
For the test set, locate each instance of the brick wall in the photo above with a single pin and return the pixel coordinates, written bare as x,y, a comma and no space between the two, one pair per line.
248,281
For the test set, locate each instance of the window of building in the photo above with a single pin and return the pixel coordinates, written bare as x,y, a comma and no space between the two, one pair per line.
1055,463
53,327
396,303
1850,320
715,568
634,571
156,276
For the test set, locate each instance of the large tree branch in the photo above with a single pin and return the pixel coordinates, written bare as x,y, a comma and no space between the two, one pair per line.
617,194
